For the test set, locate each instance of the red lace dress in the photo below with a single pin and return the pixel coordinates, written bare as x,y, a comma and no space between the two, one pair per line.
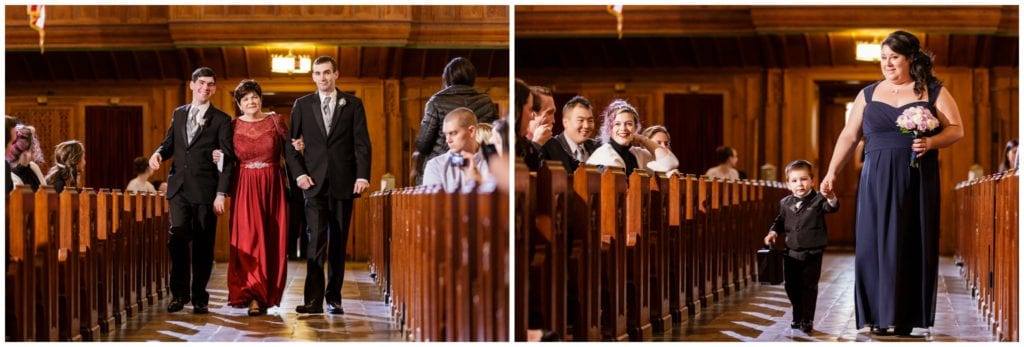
257,266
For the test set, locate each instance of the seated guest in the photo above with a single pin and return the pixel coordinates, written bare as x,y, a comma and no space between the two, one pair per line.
659,134
23,154
483,133
11,123
69,161
574,145
726,168
1009,156
623,145
524,147
464,164
543,111
161,186
141,181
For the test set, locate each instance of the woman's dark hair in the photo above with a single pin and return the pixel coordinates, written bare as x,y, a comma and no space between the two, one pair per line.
244,88
723,153
1006,164
522,94
459,71
907,45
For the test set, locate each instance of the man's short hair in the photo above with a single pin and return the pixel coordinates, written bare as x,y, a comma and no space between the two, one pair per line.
576,101
459,71
325,59
723,153
537,92
800,165
462,115
203,72
141,164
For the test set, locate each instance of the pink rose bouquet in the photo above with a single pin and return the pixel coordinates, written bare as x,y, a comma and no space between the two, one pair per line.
916,121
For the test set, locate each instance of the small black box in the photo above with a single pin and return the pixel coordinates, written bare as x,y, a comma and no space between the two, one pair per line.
769,266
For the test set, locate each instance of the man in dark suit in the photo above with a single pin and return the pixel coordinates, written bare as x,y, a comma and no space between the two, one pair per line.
333,170
574,145
195,188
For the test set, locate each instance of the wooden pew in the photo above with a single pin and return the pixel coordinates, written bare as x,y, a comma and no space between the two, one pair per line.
988,247
69,282
523,216
613,254
584,286
548,247
638,244
104,259
659,253
21,258
88,297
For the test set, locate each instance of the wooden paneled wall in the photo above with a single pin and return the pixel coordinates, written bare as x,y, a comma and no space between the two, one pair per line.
393,109
771,115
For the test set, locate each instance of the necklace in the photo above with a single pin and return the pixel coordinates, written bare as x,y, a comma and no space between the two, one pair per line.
895,89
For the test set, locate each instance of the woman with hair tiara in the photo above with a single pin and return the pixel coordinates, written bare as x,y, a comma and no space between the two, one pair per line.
625,147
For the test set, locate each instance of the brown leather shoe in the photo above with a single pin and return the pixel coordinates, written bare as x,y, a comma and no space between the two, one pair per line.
255,309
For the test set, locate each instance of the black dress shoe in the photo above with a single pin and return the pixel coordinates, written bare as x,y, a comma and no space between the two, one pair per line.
309,309
807,327
200,309
176,304
335,308
796,325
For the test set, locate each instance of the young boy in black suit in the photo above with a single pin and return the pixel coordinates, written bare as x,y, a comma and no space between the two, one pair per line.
802,220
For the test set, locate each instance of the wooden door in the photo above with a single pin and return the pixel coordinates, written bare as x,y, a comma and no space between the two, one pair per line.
695,123
835,95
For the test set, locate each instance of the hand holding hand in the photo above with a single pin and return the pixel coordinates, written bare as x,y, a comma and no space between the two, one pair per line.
299,144
217,155
827,185
305,182
218,205
154,161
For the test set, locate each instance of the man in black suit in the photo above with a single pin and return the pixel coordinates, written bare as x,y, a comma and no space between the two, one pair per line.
333,170
195,188
574,145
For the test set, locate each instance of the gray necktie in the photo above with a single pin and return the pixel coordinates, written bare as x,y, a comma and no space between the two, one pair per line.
193,123
581,153
327,113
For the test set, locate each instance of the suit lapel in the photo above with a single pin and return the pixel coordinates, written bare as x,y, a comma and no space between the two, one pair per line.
318,115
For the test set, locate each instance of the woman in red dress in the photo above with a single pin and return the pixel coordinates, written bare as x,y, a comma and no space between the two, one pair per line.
257,265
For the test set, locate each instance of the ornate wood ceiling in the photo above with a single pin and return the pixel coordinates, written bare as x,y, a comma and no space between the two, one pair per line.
550,39
88,43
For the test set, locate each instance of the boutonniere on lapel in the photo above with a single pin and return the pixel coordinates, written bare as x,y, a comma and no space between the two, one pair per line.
341,103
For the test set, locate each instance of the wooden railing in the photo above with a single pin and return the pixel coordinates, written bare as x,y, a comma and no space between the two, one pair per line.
987,246
442,261
81,262
602,256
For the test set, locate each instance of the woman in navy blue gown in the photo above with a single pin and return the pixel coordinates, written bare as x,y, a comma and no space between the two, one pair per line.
897,205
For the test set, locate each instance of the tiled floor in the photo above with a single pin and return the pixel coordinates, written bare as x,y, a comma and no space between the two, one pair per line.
762,313
366,316
756,313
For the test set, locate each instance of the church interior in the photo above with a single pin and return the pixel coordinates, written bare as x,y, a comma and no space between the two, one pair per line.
776,84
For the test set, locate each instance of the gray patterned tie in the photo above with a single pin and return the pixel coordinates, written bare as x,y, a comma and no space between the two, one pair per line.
193,123
327,113
581,153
